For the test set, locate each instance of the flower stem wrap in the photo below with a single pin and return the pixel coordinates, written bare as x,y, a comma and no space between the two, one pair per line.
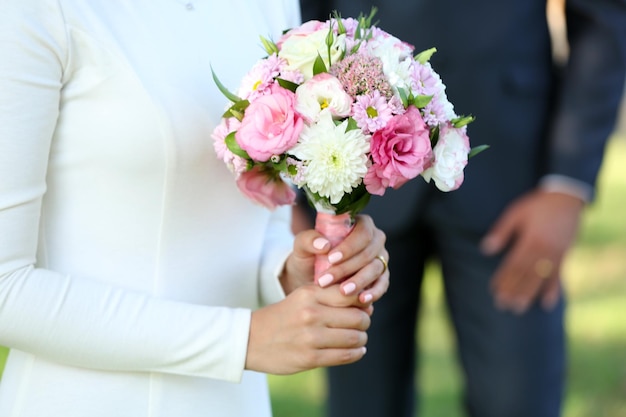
334,227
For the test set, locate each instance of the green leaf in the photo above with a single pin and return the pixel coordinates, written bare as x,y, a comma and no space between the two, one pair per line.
356,47
359,204
462,121
341,29
404,96
277,165
366,22
232,97
424,56
330,36
319,66
289,85
434,136
353,202
237,110
476,150
351,125
233,146
269,46
421,101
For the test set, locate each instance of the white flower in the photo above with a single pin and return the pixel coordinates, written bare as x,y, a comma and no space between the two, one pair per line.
301,51
322,92
450,153
396,58
336,161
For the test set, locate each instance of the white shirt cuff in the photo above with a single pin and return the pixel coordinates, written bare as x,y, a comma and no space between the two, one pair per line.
566,185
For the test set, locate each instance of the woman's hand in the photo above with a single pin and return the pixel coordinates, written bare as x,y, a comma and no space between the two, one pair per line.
312,327
355,262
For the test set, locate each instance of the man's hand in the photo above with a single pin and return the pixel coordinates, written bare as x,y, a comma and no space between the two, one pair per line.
537,229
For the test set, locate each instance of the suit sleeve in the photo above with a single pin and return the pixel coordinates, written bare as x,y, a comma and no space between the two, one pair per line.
589,96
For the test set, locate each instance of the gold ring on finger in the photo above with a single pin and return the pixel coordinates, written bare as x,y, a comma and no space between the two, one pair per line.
544,267
382,259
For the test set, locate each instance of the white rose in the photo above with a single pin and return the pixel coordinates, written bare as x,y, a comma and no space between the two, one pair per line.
450,154
323,92
300,51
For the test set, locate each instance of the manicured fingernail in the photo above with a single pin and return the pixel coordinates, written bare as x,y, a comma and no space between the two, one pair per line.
349,288
320,243
324,280
335,257
367,298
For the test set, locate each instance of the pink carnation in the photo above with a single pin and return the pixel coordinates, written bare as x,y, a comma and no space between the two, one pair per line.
270,126
265,189
400,151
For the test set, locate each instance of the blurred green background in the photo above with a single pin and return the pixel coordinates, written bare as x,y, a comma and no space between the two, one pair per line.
595,281
596,285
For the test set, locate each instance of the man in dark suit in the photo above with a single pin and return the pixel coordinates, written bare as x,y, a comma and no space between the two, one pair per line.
500,238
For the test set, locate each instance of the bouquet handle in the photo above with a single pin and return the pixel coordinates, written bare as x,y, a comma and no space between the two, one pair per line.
334,227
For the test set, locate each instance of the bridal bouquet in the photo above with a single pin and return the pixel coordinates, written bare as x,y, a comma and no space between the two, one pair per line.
342,110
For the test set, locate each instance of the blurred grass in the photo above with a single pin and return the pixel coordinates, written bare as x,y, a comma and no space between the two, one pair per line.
596,285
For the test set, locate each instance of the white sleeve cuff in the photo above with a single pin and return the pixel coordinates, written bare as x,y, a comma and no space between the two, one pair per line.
566,185
278,245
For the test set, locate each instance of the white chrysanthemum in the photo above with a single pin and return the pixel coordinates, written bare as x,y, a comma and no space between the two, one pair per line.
336,161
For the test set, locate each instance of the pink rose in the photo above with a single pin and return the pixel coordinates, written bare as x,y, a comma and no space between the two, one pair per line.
400,151
265,189
270,126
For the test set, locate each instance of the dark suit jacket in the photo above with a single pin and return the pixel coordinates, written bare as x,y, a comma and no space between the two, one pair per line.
495,59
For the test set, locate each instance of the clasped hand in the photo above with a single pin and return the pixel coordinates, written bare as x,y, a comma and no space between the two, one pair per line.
315,325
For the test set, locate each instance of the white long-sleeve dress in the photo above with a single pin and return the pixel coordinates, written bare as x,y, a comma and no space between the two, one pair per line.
129,261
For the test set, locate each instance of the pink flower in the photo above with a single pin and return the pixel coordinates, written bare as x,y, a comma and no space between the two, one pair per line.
361,74
400,151
234,163
265,189
270,126
303,30
260,78
371,112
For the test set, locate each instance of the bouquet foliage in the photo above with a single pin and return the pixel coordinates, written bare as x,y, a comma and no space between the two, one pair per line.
342,110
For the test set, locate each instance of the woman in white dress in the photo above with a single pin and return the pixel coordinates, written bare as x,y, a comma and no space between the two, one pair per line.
135,280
